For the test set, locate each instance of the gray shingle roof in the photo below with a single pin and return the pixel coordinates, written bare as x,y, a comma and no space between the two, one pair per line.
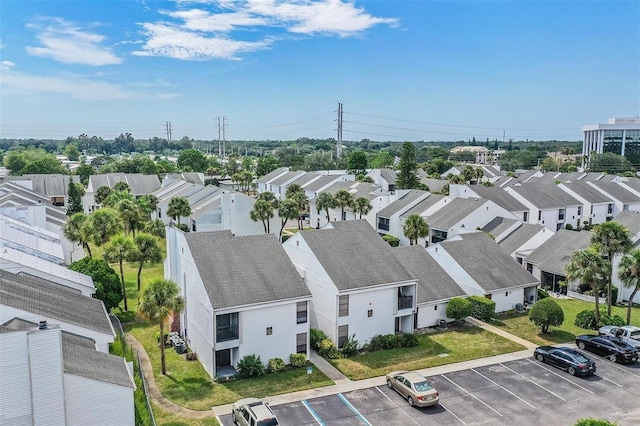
545,195
630,220
245,270
93,364
306,178
52,300
286,177
355,256
553,255
321,182
423,205
486,263
500,197
272,175
454,211
401,203
19,324
388,175
433,281
617,191
588,192
520,236
498,225
632,183
50,184
434,185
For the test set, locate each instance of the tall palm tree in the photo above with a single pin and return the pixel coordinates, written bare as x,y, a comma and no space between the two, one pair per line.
147,250
117,197
326,202
629,274
302,202
415,227
343,199
147,204
362,206
610,238
131,215
269,197
159,300
101,225
178,207
262,211
118,250
102,193
73,230
589,267
288,211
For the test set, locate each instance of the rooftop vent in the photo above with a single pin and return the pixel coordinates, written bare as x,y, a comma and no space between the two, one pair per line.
42,325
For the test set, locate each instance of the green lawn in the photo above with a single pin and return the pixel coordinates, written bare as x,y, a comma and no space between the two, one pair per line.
167,419
520,325
460,344
189,385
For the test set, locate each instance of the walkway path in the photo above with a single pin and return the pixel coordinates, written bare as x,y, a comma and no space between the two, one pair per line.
500,332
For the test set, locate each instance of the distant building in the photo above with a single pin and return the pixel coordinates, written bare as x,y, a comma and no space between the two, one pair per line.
483,154
620,136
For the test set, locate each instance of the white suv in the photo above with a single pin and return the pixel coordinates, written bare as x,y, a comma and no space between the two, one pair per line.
253,412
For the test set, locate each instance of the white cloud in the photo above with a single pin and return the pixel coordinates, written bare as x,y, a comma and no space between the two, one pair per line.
5,65
71,44
76,87
211,29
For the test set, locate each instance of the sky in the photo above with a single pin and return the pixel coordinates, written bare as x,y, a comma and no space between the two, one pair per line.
276,69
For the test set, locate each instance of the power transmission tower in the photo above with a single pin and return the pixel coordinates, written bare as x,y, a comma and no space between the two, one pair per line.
339,143
169,134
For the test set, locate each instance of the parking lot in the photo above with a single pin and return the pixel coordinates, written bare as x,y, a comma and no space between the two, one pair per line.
524,392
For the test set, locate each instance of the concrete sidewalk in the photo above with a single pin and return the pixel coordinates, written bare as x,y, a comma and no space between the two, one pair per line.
500,332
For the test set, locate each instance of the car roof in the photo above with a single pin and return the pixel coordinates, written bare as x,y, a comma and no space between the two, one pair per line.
414,377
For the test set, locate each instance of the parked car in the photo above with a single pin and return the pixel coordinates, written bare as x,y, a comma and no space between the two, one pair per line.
570,360
253,412
608,346
413,387
628,333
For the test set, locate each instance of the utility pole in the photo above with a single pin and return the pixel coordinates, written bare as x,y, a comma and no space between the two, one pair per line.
168,125
224,141
219,140
503,133
339,142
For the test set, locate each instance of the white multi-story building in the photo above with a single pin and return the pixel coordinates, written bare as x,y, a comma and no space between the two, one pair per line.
619,135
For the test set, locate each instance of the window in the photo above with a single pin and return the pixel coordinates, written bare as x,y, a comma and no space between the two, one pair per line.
525,217
302,312
343,306
437,236
269,331
370,313
610,208
226,327
506,294
383,223
539,214
579,210
561,213
301,343
435,307
343,335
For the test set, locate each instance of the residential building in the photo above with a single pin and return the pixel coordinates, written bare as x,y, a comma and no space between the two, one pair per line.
243,297
138,183
359,287
622,193
386,178
30,239
516,238
495,194
620,136
52,186
631,221
597,206
388,218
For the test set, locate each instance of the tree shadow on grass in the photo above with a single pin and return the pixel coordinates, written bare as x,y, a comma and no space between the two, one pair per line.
390,357
558,336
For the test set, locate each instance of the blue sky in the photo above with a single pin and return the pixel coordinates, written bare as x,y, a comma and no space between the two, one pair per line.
276,69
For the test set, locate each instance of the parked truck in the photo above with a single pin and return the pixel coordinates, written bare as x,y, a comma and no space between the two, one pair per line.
628,333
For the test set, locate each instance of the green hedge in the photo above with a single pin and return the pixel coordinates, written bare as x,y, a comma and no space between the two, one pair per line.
482,308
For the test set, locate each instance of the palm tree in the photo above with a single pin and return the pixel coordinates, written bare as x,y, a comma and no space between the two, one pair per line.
147,204
118,250
415,227
101,225
262,210
479,174
159,300
302,202
293,189
610,238
589,267
122,186
629,274
117,197
457,179
363,206
73,230
288,211
326,202
147,250
178,207
155,228
101,194
269,197
343,199
131,215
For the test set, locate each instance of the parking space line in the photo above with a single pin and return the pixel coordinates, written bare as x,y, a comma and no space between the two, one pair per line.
394,403
503,388
537,384
473,396
611,364
452,413
352,408
539,364
313,413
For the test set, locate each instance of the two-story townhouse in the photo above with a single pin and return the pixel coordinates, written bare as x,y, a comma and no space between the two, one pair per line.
263,181
359,287
631,221
52,186
34,299
243,296
279,185
435,286
476,263
549,205
388,218
495,194
623,198
548,262
49,376
596,207
385,178
516,238
139,184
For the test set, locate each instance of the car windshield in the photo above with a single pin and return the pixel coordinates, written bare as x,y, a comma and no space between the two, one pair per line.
268,422
635,334
423,386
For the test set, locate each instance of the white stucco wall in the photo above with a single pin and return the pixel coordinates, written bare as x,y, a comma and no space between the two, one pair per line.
428,315
383,303
507,299
97,403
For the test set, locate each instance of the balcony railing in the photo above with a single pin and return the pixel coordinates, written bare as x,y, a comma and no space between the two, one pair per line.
405,302
227,332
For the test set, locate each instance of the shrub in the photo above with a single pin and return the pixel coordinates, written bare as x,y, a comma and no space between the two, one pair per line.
568,227
482,308
392,341
587,319
542,294
593,422
328,349
546,312
298,360
409,340
458,308
393,241
616,320
276,364
191,356
614,295
317,336
350,347
250,366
